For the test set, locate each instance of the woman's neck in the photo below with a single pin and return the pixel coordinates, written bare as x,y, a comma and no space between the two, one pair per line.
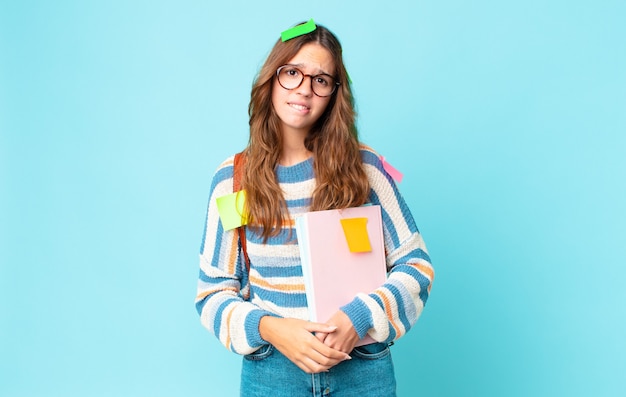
293,151
290,157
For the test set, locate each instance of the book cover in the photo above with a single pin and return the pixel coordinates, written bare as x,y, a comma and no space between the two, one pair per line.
333,274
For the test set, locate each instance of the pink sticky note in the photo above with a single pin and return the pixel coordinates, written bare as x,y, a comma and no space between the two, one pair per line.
394,173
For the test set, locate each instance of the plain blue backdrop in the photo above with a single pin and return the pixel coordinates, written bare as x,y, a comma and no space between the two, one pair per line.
508,120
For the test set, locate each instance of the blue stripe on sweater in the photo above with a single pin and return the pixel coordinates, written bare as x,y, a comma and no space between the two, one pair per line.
203,277
221,281
218,314
282,271
387,222
400,303
302,202
221,175
215,262
423,281
200,304
296,173
251,324
406,212
369,157
361,324
286,236
414,254
424,284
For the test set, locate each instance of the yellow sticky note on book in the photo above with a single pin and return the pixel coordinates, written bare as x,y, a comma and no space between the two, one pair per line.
355,230
230,208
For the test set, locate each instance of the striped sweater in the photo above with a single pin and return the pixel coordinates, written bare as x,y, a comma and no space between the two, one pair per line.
232,301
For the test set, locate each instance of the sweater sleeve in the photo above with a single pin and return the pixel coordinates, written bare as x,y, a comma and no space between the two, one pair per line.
223,280
391,310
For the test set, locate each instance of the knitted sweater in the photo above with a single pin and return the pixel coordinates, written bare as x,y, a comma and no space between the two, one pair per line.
231,302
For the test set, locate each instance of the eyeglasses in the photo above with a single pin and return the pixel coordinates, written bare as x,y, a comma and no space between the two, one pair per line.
290,77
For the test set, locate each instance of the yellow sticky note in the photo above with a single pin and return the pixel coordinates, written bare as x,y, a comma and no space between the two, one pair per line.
230,208
355,230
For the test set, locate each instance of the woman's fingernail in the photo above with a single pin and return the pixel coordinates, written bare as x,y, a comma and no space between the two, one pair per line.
348,357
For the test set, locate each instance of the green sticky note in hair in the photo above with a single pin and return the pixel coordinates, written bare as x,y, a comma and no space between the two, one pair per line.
230,208
355,230
299,30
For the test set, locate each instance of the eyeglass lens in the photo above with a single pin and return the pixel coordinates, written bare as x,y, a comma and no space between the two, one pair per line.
290,77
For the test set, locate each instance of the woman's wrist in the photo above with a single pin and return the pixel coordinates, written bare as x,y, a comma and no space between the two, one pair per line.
266,326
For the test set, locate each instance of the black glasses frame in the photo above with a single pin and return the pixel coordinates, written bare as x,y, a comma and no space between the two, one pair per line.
312,76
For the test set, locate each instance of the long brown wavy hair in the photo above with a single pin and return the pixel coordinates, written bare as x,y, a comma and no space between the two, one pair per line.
341,181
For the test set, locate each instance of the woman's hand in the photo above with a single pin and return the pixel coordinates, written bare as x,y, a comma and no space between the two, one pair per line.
294,338
344,337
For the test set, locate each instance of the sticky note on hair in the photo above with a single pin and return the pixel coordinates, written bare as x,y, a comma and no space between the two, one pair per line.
355,230
230,208
394,173
299,30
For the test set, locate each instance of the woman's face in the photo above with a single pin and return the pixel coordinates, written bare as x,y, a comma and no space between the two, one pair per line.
299,108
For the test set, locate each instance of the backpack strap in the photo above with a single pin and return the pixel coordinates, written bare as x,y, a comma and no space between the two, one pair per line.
240,161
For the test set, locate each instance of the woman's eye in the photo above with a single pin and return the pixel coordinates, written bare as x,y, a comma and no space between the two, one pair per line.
292,72
321,80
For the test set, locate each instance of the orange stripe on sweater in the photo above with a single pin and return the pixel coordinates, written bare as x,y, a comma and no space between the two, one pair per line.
383,297
427,270
280,287
232,256
211,291
230,313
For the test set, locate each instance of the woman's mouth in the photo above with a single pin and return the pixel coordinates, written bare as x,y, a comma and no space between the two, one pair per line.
299,107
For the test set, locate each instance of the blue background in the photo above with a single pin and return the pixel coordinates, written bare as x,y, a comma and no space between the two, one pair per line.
508,120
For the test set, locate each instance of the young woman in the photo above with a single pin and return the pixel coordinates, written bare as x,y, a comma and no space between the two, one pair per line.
304,155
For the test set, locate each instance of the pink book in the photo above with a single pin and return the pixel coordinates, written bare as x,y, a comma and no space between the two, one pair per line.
333,275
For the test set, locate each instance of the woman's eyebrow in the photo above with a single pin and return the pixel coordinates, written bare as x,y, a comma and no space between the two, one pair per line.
302,66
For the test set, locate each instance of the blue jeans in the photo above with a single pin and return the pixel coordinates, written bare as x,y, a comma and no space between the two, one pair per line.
267,372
